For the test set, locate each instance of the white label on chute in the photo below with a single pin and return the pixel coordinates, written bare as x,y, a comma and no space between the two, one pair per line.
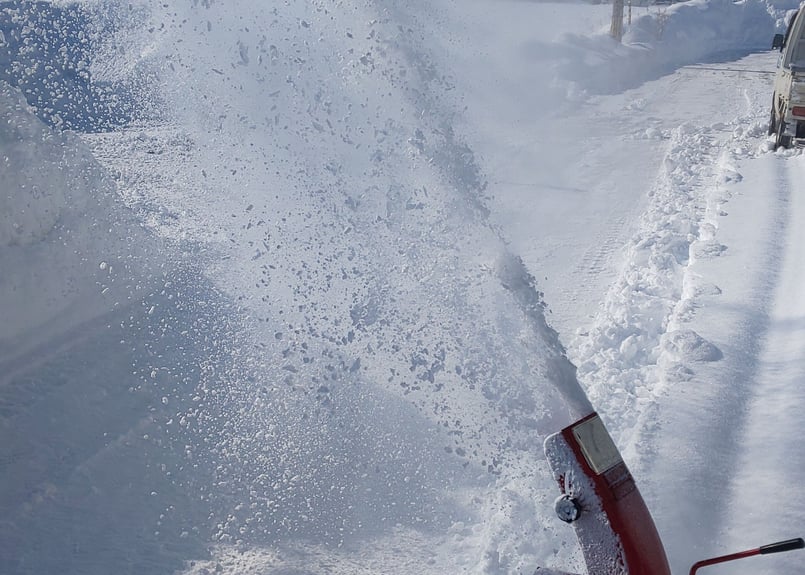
597,446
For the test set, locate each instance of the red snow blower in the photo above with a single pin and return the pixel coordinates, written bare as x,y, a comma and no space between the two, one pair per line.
600,499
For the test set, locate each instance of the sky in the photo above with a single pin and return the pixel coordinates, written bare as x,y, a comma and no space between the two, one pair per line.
302,287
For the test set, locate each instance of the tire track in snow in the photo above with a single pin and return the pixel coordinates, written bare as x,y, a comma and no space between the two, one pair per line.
598,258
772,459
698,431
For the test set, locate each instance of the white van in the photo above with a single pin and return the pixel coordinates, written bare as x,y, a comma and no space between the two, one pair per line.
787,121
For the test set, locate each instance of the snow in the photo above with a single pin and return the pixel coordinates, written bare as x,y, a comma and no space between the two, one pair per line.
307,285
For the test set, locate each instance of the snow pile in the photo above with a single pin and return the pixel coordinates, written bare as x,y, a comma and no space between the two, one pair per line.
639,339
57,218
101,340
625,343
667,37
692,30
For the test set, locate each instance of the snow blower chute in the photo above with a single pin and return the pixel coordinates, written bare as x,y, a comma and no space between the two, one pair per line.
600,500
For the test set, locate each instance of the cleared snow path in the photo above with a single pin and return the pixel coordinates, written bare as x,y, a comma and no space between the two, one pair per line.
690,440
683,357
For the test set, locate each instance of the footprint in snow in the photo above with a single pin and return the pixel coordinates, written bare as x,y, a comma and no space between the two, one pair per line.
708,249
687,345
707,289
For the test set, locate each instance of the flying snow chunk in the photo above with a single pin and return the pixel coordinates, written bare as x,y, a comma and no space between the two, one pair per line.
46,51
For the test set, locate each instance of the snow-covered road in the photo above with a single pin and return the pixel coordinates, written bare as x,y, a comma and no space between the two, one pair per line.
313,340
674,360
770,457
687,239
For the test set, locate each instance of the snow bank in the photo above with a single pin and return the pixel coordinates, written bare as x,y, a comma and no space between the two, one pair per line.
68,252
102,339
665,38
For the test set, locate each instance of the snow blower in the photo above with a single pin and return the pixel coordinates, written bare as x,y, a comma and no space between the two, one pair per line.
600,499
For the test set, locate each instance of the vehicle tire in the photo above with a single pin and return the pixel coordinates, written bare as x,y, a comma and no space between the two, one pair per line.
782,140
772,122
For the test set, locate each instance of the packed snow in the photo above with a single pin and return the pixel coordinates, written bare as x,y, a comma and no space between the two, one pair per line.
302,287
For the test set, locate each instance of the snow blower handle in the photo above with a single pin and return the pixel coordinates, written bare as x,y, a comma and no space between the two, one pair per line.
789,545
778,547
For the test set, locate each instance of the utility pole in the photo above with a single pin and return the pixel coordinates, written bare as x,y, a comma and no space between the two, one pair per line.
616,30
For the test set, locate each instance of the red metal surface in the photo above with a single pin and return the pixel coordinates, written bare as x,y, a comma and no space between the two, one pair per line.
779,547
601,501
723,559
642,549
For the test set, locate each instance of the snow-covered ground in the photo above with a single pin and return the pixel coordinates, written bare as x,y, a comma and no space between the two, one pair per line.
302,287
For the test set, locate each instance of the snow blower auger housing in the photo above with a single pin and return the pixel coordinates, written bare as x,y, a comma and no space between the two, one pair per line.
599,498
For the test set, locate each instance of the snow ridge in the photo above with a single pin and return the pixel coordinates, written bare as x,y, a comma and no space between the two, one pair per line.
671,358
663,38
639,343
626,342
